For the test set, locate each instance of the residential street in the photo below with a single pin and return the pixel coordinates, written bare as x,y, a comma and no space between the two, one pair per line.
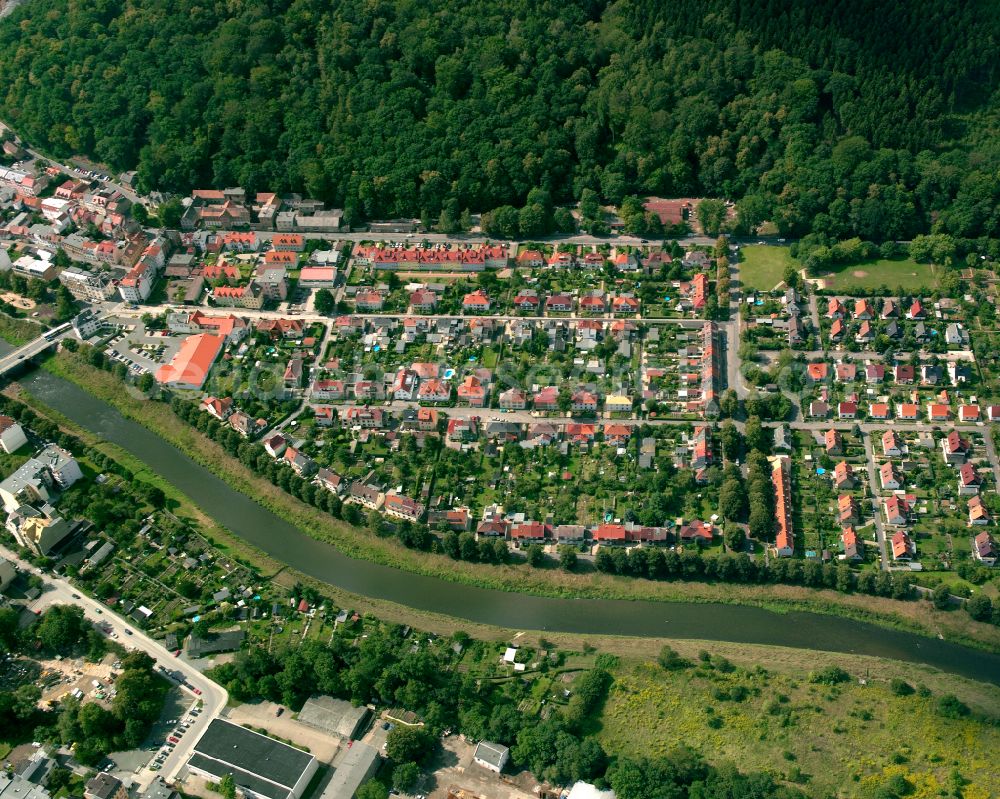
214,697
873,484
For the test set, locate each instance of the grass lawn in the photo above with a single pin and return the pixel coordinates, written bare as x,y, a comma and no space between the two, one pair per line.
763,267
903,273
787,725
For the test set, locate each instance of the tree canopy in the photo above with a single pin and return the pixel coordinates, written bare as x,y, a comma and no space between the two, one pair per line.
801,111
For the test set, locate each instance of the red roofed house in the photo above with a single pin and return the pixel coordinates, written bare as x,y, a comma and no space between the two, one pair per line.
937,412
978,515
592,303
897,511
878,410
843,475
526,300
529,531
916,311
472,391
903,548
968,479
833,442
968,413
546,399
582,401
889,476
955,448
892,445
847,410
476,302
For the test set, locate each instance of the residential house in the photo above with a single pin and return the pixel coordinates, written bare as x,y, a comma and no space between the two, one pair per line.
513,399
330,480
367,496
847,410
819,409
892,444
847,510
890,477
937,412
476,302
593,303
843,476
546,399
897,511
852,546
219,408
559,303
433,390
955,448
526,301
463,430
833,442
984,548
968,413
846,372
398,506
364,418
903,548
968,479
878,410
12,436
875,372
978,515
582,401
472,391
276,445
907,411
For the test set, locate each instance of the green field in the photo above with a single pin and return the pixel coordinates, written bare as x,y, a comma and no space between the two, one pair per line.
785,724
902,273
762,267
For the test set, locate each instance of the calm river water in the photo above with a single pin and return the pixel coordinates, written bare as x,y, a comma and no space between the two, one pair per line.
281,540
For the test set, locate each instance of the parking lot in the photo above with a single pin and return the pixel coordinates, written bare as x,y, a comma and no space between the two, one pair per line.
141,351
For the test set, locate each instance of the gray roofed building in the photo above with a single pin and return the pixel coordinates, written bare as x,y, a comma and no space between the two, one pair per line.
215,642
17,787
334,715
262,767
492,756
355,766
158,789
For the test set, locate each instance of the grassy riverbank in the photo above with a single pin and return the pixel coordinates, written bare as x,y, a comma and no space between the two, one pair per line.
790,664
359,543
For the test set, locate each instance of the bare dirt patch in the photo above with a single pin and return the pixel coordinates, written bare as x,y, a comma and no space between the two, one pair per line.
17,300
859,273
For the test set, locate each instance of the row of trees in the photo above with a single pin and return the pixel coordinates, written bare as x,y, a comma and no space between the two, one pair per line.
808,116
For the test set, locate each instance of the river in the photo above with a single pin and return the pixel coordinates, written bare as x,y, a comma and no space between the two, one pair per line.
284,542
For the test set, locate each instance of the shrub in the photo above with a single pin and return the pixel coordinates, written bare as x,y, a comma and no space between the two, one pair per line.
950,706
900,687
831,675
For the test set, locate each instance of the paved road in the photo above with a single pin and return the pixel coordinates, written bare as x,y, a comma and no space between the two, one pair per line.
873,485
119,309
214,697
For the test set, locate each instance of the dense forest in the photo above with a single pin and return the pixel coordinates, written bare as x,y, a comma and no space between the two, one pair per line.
840,117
